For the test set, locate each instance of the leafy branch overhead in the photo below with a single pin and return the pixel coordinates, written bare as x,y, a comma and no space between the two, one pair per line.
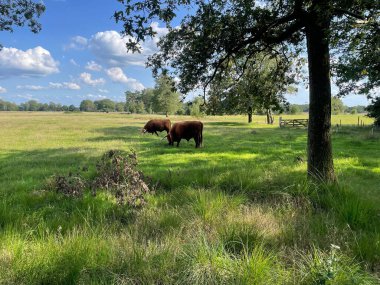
215,33
20,13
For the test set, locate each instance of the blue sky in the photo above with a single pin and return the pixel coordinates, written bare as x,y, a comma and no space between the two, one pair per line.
79,55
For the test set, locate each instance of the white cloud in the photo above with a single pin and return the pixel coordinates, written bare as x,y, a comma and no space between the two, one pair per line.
27,96
30,87
103,90
52,85
32,62
116,74
110,47
77,43
93,66
2,90
160,31
96,96
73,62
64,85
87,79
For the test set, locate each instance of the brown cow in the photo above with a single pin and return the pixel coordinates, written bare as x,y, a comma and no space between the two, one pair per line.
157,125
186,130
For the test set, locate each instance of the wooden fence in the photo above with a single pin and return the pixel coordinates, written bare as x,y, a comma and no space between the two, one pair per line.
293,122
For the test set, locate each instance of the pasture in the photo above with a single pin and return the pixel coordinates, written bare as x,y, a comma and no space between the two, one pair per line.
237,211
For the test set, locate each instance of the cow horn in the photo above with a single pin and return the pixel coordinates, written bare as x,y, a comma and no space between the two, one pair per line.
143,131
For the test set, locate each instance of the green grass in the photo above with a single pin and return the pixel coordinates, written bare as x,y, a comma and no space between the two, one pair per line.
237,211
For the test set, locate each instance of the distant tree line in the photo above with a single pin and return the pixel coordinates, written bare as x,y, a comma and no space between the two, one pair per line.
163,99
33,105
105,105
337,107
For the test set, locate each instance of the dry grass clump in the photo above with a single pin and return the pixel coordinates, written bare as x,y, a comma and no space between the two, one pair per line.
71,185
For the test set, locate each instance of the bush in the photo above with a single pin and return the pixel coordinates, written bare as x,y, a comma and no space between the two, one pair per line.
117,173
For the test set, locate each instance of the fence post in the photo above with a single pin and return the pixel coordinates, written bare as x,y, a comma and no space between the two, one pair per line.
279,121
358,121
340,122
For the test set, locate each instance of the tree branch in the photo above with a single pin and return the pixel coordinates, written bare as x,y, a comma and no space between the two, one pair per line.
340,12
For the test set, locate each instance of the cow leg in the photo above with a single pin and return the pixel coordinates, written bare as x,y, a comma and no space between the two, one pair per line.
178,143
156,133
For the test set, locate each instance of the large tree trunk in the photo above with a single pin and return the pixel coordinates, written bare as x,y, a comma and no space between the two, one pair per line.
320,160
250,114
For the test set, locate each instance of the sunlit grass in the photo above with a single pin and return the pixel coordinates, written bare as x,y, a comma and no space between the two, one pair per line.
237,211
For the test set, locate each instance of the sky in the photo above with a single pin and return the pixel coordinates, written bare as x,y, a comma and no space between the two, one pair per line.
79,54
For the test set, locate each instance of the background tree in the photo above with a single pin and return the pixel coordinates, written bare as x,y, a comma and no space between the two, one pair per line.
105,105
374,110
355,109
261,87
294,109
166,99
32,105
147,97
119,107
213,33
7,106
196,107
87,106
131,101
337,106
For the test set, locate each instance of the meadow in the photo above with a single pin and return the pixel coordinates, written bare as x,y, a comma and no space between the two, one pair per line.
239,210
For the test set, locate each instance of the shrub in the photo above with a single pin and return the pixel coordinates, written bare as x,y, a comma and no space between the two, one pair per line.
118,174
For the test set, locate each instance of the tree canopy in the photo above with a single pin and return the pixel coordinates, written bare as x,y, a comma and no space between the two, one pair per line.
160,99
217,32
20,13
261,87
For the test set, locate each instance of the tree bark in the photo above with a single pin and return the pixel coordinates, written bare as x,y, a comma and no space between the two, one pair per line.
320,159
269,117
250,114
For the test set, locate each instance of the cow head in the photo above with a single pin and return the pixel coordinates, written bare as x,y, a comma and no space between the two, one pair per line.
143,130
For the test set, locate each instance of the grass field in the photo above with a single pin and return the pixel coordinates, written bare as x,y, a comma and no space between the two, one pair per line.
237,211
